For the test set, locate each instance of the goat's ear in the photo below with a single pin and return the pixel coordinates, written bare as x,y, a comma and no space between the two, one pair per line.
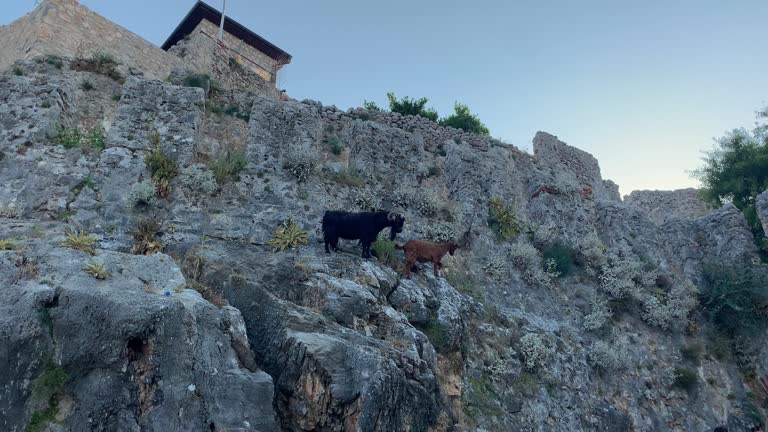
391,216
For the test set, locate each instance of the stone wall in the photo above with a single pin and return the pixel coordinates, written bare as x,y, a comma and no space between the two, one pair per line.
664,206
68,29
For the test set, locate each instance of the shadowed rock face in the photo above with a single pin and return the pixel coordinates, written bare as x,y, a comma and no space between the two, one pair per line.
304,341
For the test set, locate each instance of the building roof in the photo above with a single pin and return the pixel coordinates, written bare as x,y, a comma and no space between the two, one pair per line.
202,11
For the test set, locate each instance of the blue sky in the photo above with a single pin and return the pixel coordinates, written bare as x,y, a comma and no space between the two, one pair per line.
643,86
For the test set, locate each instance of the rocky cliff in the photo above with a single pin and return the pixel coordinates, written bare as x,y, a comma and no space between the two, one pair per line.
138,296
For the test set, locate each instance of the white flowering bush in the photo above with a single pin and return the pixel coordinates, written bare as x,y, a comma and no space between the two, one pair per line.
599,314
592,252
300,164
621,276
496,267
670,310
427,203
365,199
441,232
535,350
197,178
141,194
608,356
526,258
402,198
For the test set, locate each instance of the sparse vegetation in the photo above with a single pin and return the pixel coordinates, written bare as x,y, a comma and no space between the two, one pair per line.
535,350
365,199
81,241
437,336
199,180
480,397
87,85
685,378
18,71
384,250
85,183
141,195
26,268
145,238
202,81
101,63
692,352
335,144
463,119
97,270
162,167
289,235
464,283
502,220
47,387
560,258
7,245
229,166
300,164
371,106
608,356
86,139
350,176
54,61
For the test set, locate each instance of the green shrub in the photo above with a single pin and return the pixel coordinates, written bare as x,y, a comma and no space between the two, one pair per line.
161,167
734,299
465,120
350,177
371,106
97,270
692,352
562,256
408,106
86,139
386,252
202,81
480,397
685,378
289,235
335,144
464,283
54,61
7,245
80,240
87,86
502,220
229,166
17,71
437,336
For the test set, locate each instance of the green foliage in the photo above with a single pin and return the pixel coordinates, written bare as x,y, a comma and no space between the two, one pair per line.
408,106
737,171
436,335
7,245
97,270
734,299
47,387
54,61
371,106
433,171
87,85
480,397
502,220
86,139
85,183
350,176
685,378
17,71
692,352
202,81
464,283
384,250
288,235
463,119
80,240
335,144
229,166
161,167
559,256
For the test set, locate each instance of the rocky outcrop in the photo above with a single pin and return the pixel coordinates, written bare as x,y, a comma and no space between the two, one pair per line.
761,203
300,340
665,206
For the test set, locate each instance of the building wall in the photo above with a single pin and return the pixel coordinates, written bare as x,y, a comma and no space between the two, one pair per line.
204,39
66,28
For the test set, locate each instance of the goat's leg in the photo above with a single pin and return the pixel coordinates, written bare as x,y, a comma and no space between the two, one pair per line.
436,268
409,263
366,249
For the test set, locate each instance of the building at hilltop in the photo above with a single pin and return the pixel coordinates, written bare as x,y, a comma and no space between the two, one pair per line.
68,29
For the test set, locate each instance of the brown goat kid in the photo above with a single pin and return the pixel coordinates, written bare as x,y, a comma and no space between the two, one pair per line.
424,251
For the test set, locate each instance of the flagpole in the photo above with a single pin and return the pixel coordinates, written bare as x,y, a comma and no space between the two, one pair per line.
221,26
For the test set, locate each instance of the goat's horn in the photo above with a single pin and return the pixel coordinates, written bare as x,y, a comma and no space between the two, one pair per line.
391,216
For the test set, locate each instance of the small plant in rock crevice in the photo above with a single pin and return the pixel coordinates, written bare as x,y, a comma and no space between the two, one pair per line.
502,220
7,245
349,176
86,139
560,257
97,270
228,167
384,250
101,63
48,387
535,350
301,165
145,238
289,235
161,167
80,240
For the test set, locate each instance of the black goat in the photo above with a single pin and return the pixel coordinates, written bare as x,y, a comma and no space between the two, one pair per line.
359,226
